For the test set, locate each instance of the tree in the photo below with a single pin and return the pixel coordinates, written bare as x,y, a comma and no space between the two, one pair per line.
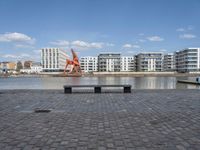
19,66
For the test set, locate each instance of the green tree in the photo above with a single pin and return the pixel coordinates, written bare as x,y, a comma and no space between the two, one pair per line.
19,66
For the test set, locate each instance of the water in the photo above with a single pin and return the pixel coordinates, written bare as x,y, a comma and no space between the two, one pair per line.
58,82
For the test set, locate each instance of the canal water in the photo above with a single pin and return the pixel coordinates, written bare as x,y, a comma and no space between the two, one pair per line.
58,82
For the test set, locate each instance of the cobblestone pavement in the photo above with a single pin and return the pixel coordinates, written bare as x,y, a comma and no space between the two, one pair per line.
144,119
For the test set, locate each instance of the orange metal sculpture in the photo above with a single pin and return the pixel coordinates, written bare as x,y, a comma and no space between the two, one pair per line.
76,68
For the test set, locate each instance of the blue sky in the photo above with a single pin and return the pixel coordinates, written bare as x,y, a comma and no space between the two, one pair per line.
93,26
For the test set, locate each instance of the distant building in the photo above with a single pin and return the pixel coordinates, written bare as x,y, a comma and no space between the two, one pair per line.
168,62
149,61
127,64
187,60
7,66
109,62
28,64
89,64
53,59
34,68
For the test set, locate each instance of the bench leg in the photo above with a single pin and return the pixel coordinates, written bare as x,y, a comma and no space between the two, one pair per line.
97,89
68,90
127,89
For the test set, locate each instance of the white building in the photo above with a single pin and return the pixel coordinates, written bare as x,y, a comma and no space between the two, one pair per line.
168,62
109,62
149,61
89,64
188,60
35,68
53,59
127,63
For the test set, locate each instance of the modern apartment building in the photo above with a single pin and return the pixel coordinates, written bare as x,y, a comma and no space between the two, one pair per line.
187,60
109,62
127,64
89,64
149,61
53,59
168,62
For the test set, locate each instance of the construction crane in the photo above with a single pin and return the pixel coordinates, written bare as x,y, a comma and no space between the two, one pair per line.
75,65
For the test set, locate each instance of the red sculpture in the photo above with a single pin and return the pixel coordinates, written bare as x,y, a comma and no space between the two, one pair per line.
76,68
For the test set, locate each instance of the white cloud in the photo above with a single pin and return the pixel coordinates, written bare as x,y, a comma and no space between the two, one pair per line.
24,55
135,46
130,46
187,36
62,43
127,45
180,29
163,50
82,44
9,56
110,44
189,28
16,37
95,45
141,40
23,46
155,39
20,56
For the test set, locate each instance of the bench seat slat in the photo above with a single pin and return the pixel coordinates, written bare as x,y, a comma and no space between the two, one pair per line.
97,88
98,85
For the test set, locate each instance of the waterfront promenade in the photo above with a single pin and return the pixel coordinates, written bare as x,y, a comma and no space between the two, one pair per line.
142,120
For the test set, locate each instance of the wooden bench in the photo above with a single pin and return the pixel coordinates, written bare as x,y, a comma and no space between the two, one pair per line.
97,88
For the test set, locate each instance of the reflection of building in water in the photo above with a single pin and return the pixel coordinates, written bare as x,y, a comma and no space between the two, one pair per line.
151,83
169,82
89,64
149,61
188,60
155,83
109,62
168,62
127,63
53,59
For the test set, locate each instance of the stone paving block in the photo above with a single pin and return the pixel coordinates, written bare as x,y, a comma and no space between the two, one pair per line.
144,119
